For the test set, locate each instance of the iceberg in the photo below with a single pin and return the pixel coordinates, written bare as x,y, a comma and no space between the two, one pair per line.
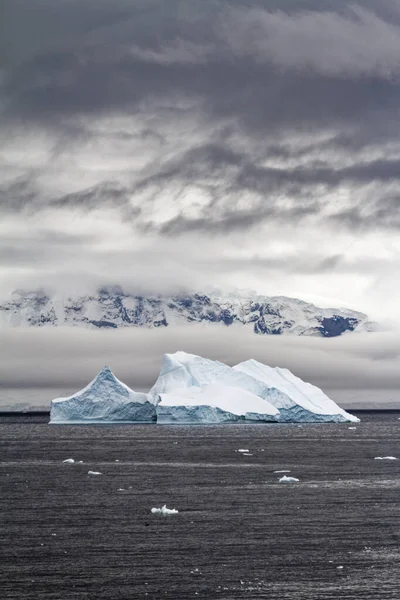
299,401
164,511
385,458
195,389
285,479
192,389
104,400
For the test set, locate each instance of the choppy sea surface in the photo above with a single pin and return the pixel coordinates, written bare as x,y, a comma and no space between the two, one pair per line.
239,532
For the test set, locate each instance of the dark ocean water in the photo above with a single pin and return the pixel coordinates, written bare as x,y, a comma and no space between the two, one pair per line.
239,533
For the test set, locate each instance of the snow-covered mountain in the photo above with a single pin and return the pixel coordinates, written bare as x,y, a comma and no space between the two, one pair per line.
114,308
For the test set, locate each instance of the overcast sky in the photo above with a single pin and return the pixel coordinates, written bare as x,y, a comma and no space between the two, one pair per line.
163,145
160,145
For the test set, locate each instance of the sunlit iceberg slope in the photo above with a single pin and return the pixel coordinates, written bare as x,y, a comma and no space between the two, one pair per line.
300,401
104,400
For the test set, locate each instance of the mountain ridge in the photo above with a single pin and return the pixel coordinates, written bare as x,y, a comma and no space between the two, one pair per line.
112,308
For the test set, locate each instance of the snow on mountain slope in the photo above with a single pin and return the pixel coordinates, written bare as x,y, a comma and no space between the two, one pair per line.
213,404
104,400
113,308
308,402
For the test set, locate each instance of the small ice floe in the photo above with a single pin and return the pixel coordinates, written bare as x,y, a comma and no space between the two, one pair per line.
116,460
385,458
282,471
352,428
94,473
285,479
121,490
246,454
340,567
243,450
164,511
69,461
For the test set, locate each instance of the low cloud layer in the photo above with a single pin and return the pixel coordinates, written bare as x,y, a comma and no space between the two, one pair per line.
68,358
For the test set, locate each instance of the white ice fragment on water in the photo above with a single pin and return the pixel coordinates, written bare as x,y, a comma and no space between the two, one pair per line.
164,511
352,428
121,490
94,473
69,461
282,471
243,450
246,454
285,479
340,567
385,458
116,460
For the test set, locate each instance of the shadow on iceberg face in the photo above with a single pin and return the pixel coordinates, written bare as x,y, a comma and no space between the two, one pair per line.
103,411
204,414
297,414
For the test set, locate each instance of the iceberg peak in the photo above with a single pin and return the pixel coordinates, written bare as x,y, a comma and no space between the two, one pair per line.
104,399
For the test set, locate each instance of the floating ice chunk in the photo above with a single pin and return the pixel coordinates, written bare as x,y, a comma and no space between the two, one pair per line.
164,511
385,458
352,428
340,567
282,471
246,454
94,473
285,479
69,461
243,450
121,490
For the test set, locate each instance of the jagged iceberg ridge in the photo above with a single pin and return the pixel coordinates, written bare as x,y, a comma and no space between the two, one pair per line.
195,389
104,400
192,389
112,308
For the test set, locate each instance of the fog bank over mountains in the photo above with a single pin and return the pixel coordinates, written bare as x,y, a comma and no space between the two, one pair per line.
68,358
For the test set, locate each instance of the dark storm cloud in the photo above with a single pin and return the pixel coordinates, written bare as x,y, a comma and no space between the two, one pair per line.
102,56
256,69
